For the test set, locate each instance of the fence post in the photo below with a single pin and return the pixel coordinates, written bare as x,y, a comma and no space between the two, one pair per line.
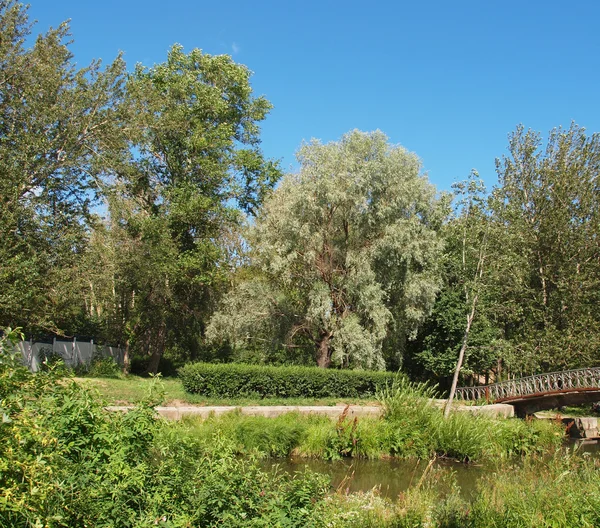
30,355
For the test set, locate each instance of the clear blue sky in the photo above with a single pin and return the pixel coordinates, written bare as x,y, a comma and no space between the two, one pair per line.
448,80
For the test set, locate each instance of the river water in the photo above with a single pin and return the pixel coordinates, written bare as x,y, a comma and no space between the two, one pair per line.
392,476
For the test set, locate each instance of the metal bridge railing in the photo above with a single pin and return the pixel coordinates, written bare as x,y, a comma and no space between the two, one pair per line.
584,378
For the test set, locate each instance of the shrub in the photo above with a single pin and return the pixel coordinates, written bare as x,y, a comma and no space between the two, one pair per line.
65,462
104,367
232,380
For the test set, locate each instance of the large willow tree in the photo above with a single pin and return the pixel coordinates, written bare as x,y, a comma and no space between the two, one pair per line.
345,255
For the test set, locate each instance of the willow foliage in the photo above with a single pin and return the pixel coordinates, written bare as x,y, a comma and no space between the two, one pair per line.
346,252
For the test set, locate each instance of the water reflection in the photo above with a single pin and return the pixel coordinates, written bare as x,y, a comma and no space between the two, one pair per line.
391,477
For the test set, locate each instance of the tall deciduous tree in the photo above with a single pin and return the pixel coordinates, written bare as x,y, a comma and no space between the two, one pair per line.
460,321
195,163
347,250
547,209
57,126
473,236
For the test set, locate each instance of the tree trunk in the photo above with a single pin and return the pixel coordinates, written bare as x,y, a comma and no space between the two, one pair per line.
126,358
324,354
158,347
461,356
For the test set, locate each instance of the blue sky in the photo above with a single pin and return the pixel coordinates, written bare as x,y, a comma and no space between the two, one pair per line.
448,80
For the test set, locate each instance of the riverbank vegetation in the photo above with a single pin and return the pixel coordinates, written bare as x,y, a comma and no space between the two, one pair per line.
412,426
561,491
64,461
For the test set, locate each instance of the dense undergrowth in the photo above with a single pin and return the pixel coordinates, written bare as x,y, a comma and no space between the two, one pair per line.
65,462
411,427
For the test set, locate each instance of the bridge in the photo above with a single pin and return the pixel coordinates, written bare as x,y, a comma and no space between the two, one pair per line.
539,392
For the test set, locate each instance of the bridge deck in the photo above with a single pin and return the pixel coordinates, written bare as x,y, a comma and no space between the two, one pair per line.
540,385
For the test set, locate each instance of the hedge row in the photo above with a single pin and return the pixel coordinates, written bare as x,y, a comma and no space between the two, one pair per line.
233,379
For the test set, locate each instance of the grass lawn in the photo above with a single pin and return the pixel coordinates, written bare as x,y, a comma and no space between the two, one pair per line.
129,390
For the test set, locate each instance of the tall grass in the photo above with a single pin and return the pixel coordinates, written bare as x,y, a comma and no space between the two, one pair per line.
412,426
562,491
419,428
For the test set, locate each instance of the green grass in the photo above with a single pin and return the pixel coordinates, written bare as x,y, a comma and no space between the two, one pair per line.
558,492
132,389
460,437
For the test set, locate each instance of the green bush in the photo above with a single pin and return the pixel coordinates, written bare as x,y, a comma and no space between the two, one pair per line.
232,380
66,462
104,367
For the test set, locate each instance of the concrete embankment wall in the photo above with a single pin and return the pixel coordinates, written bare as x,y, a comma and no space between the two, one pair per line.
333,411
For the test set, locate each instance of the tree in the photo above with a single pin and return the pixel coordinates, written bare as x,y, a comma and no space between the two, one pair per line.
472,278
57,126
547,212
347,255
461,326
193,165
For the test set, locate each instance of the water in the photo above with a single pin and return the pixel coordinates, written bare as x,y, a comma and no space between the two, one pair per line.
391,477
591,446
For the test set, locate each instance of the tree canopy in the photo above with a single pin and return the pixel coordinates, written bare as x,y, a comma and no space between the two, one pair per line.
346,253
172,151
58,124
193,165
547,210
137,207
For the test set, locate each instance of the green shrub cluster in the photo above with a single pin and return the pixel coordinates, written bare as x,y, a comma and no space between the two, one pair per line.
102,367
232,380
66,462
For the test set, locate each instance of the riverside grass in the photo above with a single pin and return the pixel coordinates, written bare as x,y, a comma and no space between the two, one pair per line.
411,427
562,491
64,462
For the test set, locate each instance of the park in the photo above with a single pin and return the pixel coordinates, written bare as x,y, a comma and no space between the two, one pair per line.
197,330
